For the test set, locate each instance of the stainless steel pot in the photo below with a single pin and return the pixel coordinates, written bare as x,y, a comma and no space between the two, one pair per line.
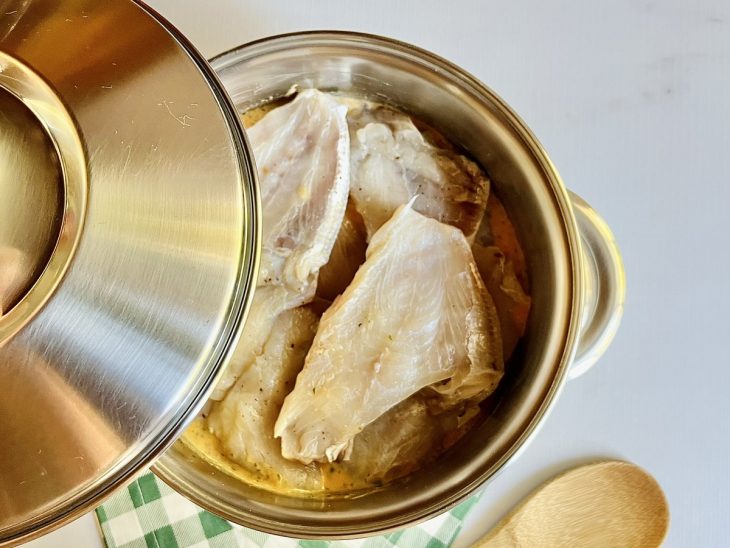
575,268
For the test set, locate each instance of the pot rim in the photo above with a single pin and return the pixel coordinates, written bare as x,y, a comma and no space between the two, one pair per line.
572,331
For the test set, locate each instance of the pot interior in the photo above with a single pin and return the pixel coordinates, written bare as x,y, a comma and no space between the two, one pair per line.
474,118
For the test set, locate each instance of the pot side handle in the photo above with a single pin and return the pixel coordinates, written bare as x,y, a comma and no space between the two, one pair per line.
604,287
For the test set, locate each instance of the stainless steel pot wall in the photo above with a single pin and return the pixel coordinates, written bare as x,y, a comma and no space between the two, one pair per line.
577,288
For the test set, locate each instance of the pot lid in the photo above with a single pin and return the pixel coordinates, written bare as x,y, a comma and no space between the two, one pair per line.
128,233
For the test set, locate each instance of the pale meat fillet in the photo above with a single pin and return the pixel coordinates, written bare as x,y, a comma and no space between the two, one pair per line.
416,313
244,420
391,162
268,302
501,263
510,299
347,255
405,438
301,151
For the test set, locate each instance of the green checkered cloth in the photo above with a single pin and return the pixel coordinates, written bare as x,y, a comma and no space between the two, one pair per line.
149,514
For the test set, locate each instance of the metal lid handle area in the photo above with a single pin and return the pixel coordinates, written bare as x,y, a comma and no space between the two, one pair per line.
604,287
43,193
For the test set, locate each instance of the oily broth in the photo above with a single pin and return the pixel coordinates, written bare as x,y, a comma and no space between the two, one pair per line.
253,115
337,479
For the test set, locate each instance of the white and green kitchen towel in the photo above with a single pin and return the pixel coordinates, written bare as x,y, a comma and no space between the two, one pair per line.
149,514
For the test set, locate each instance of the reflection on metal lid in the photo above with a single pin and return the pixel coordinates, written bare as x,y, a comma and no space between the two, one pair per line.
129,242
32,200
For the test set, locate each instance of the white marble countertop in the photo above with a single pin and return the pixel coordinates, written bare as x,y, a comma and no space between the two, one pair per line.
631,100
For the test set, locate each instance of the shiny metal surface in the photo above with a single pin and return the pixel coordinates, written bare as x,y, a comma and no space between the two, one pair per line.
469,114
31,207
44,190
604,289
119,339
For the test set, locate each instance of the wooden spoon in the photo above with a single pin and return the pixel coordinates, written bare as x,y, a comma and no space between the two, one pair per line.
606,504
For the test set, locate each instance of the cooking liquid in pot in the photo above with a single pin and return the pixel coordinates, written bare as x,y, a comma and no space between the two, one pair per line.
501,263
